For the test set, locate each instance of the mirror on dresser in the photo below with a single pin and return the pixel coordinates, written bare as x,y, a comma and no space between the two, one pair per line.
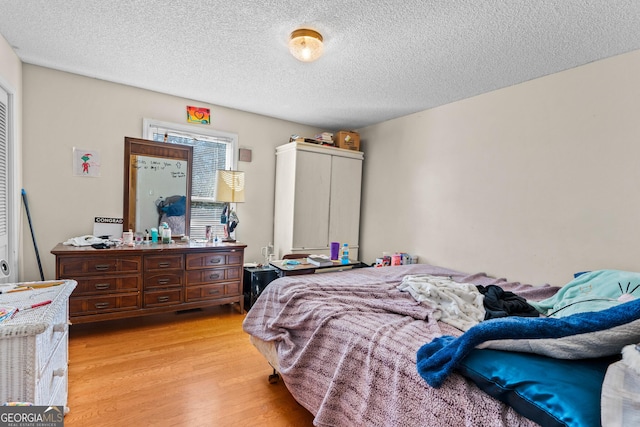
157,185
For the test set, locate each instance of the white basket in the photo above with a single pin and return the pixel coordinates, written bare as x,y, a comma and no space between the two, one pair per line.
31,356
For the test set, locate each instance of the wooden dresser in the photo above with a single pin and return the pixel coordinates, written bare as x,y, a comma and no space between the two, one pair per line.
34,345
151,278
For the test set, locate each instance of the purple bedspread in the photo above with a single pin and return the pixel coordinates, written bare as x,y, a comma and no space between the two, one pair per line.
347,346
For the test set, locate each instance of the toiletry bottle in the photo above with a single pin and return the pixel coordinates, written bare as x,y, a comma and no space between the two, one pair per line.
166,234
127,238
344,259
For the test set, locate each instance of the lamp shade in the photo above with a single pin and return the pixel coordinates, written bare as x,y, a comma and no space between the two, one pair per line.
305,45
229,186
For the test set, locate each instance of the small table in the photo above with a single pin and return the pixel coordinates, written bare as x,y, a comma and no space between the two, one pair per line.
256,279
306,268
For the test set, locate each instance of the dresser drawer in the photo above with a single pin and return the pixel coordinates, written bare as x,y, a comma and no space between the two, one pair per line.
163,262
59,395
54,374
214,291
69,267
80,306
203,277
213,259
163,279
48,341
163,297
107,284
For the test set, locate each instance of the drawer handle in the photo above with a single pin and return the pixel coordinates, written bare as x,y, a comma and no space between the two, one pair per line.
164,265
100,305
163,281
60,327
102,286
60,372
214,291
214,276
163,299
215,260
102,267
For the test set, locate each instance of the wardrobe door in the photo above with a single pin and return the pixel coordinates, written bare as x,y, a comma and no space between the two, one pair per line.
344,212
312,195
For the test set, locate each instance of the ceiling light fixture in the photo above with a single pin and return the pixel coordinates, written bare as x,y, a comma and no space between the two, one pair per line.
305,44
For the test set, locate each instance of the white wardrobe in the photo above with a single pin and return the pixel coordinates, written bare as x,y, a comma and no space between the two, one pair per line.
317,199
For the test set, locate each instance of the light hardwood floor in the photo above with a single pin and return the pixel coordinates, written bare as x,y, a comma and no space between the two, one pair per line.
188,369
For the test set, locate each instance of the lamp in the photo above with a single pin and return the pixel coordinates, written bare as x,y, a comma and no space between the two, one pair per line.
229,189
305,44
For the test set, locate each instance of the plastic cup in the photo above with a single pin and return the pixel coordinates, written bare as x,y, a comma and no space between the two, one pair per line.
335,250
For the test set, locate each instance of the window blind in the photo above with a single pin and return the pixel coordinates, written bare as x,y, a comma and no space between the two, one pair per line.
210,153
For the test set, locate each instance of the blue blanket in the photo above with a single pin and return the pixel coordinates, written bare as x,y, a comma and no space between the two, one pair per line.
437,359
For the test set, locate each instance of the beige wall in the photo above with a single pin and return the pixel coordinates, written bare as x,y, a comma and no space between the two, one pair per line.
533,182
64,110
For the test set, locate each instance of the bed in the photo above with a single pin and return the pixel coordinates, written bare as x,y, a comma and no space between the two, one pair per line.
357,350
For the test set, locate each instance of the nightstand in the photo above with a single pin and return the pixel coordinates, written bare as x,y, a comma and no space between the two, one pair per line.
304,267
256,280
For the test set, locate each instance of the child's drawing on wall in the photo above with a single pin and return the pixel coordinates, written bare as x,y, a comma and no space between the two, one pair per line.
86,162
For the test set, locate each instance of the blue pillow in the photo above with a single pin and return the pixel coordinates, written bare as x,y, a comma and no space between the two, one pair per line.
550,392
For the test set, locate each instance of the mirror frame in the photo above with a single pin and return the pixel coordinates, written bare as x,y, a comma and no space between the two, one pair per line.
165,150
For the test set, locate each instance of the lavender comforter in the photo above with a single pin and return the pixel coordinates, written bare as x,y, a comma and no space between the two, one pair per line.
347,345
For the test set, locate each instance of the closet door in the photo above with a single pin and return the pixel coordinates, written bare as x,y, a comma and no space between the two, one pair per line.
5,263
312,193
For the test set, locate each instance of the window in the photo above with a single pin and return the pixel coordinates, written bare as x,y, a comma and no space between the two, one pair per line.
212,150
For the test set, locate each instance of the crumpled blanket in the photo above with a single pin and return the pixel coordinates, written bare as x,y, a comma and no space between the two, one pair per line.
438,358
83,241
458,304
500,303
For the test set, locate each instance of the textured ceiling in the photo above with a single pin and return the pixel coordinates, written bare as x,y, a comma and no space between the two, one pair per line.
383,59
